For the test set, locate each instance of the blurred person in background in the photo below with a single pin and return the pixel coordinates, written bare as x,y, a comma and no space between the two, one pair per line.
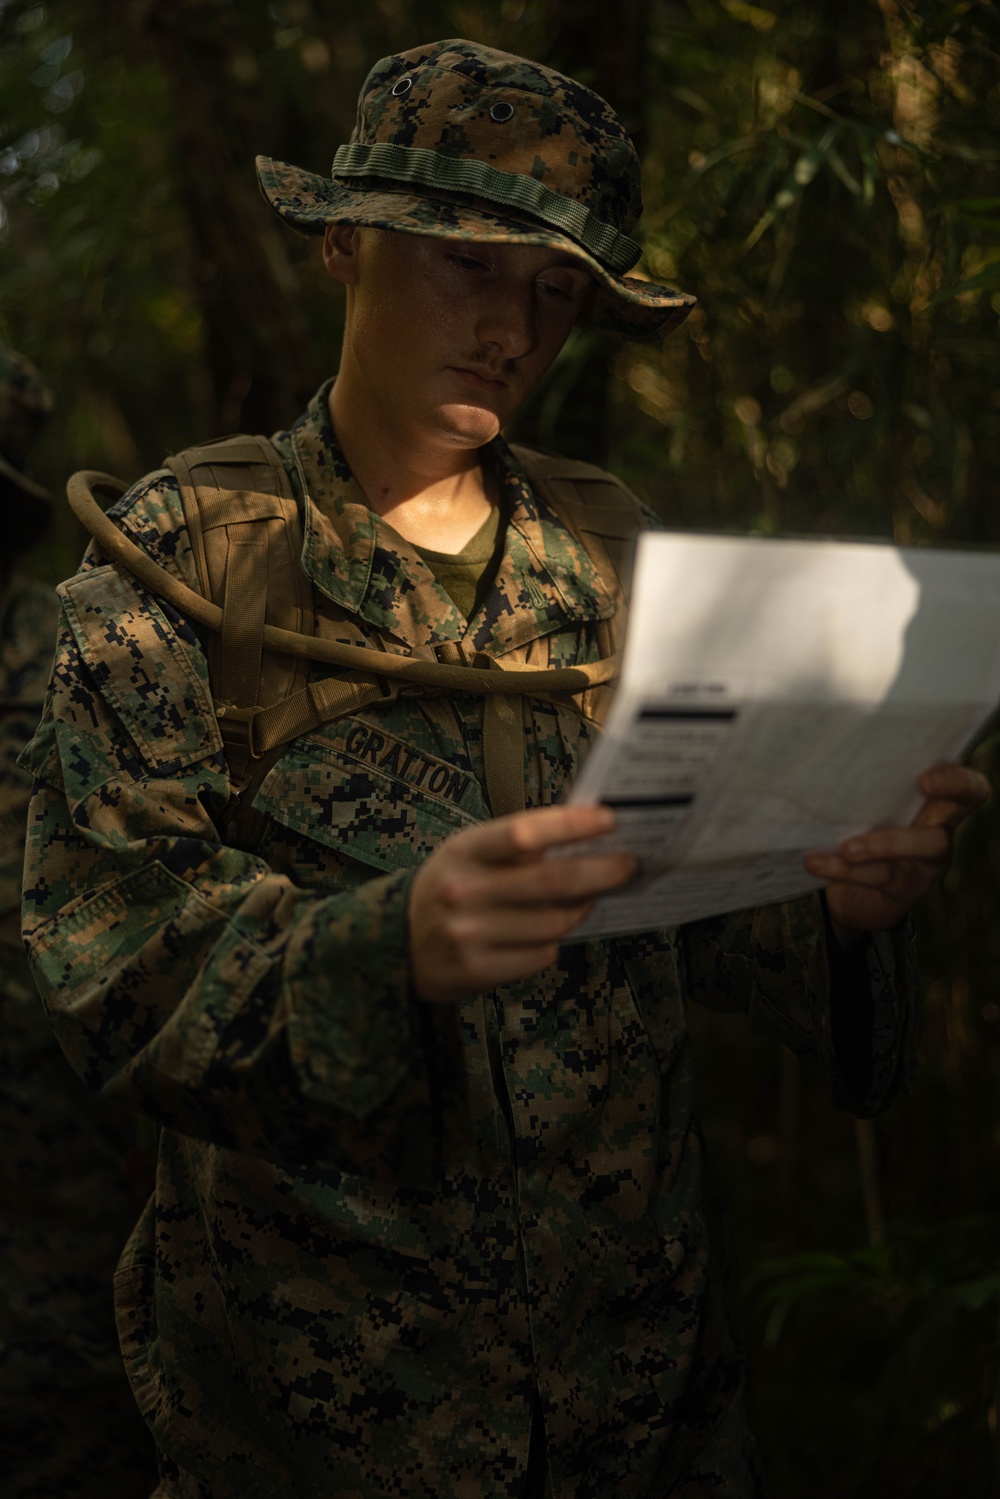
69,1165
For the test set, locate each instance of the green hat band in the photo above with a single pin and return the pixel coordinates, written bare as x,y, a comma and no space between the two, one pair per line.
512,189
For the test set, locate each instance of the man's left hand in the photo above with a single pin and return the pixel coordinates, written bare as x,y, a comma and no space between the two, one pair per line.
876,879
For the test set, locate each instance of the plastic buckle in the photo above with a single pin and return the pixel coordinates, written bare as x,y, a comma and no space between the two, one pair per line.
236,728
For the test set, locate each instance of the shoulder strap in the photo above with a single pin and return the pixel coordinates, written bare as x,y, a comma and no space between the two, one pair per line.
598,508
246,536
367,675
605,517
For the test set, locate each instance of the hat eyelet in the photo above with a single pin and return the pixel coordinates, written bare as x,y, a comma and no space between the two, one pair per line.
501,112
402,87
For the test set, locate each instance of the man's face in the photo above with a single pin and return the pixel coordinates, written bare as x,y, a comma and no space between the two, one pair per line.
450,337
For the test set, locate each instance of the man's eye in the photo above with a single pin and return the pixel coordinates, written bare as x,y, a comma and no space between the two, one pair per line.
467,262
559,293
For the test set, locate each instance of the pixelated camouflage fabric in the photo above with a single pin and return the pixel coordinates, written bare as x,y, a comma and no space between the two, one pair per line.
379,1226
467,100
463,103
68,1422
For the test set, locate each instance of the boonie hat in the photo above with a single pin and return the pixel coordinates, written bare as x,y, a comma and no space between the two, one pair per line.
26,403
459,141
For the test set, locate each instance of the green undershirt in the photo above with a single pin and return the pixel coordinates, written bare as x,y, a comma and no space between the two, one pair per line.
467,575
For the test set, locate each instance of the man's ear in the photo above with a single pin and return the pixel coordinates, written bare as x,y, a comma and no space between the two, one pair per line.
340,252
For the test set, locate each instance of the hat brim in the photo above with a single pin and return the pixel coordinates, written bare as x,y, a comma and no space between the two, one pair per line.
622,306
20,481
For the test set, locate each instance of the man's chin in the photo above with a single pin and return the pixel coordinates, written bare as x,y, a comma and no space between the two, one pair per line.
467,424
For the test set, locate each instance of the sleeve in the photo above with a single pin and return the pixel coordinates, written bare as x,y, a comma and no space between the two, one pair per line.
852,1015
184,978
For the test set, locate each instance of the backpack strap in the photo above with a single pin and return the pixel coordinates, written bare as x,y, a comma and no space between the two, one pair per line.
605,516
607,520
246,535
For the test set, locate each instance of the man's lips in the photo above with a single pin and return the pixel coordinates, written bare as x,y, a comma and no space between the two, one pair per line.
477,380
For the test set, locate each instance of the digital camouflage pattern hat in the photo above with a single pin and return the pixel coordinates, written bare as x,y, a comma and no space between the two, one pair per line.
26,404
463,142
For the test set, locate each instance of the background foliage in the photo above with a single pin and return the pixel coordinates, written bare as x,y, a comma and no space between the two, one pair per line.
824,177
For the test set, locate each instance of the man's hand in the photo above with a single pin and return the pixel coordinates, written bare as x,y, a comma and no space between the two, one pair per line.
876,879
488,908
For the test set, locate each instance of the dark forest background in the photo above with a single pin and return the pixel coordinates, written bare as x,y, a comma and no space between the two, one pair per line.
825,178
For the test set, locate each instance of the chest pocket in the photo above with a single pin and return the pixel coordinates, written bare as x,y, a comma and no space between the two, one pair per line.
365,793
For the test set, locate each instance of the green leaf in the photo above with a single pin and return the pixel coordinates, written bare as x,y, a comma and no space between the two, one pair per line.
988,276
847,177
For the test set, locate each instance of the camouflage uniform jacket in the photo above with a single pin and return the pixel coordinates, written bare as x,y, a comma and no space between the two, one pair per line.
67,1419
379,1226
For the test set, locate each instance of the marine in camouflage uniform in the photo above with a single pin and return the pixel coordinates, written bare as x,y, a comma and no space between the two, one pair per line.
394,1245
68,1423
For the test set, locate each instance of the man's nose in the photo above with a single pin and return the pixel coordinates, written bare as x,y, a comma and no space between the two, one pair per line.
508,319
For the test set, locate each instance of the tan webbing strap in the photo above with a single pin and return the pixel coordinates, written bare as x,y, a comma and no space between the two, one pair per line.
503,746
240,450
594,505
316,704
243,611
503,736
599,520
451,652
246,536
237,668
612,528
503,753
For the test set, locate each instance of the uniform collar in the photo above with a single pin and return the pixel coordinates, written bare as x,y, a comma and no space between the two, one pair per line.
356,559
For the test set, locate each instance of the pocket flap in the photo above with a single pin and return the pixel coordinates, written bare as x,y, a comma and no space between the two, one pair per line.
155,680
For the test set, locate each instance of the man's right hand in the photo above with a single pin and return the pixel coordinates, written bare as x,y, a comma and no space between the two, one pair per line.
488,908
